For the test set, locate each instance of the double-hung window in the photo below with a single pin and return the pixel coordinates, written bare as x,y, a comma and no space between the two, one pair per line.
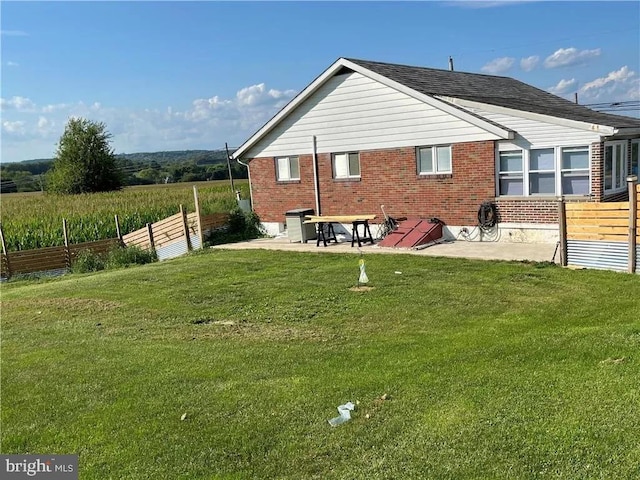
346,165
434,160
287,168
575,171
635,145
615,166
542,172
511,176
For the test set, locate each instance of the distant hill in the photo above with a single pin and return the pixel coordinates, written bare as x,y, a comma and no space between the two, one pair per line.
200,157
137,168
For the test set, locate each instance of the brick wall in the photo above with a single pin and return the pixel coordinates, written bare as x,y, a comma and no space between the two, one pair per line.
527,211
387,177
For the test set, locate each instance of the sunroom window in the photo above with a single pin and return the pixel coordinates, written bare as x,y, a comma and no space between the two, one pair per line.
511,173
615,166
542,172
575,171
346,165
287,168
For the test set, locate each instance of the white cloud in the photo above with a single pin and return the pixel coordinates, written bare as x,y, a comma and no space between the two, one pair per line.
205,123
619,85
565,57
12,64
54,108
529,63
498,65
13,33
563,87
16,127
17,103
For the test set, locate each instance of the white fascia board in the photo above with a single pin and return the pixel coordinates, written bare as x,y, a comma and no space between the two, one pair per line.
501,132
565,122
297,100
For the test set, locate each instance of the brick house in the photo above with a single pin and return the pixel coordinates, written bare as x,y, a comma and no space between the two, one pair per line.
436,143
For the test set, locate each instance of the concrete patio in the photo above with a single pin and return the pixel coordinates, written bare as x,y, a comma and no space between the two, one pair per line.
535,252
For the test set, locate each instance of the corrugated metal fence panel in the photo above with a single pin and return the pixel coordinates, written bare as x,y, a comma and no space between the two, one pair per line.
592,254
177,248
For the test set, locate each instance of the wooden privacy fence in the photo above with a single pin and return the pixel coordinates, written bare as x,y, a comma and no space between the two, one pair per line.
51,258
602,235
175,235
170,237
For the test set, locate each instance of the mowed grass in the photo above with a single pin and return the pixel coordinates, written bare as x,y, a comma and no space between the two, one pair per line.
491,369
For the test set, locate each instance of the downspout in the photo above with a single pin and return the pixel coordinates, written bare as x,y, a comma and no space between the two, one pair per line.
316,181
249,175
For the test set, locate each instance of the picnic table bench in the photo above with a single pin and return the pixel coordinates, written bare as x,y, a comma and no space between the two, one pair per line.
326,233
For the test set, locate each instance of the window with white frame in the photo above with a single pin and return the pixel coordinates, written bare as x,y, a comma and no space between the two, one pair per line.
635,158
287,168
511,173
575,171
615,166
346,165
544,171
434,160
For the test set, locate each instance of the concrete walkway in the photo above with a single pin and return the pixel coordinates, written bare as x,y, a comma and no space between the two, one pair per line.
535,252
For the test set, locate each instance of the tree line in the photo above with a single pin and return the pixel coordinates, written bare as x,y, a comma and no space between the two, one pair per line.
85,162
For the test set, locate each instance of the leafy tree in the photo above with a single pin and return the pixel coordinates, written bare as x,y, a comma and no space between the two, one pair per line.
84,161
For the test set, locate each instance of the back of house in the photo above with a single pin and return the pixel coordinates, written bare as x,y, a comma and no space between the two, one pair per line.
437,143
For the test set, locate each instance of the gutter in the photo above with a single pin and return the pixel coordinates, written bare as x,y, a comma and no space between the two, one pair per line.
249,175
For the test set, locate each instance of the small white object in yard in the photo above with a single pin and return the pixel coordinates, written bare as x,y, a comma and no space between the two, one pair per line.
398,273
183,417
345,414
363,274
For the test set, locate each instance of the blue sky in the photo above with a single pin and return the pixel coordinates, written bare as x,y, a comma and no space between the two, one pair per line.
194,75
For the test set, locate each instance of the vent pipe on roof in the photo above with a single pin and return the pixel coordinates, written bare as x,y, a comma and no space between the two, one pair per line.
576,97
451,63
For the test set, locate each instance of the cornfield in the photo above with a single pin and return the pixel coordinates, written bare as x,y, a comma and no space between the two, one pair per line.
34,220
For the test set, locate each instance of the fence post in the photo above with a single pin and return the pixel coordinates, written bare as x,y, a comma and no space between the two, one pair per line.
118,231
150,234
5,252
67,252
198,217
633,215
562,221
185,228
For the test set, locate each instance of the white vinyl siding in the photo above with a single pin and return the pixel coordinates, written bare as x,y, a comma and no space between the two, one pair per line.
615,166
287,168
353,112
346,165
434,160
536,132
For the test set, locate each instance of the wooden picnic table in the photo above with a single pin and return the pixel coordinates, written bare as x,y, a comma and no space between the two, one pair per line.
327,233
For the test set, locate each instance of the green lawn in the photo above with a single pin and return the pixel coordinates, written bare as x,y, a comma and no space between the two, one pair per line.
492,369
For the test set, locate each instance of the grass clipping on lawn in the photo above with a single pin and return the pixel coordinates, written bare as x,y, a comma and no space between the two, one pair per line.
229,364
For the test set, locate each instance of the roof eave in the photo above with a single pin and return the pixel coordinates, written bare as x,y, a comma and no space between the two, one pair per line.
592,127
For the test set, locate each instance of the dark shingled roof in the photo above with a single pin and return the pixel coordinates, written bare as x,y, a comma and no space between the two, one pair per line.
500,91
